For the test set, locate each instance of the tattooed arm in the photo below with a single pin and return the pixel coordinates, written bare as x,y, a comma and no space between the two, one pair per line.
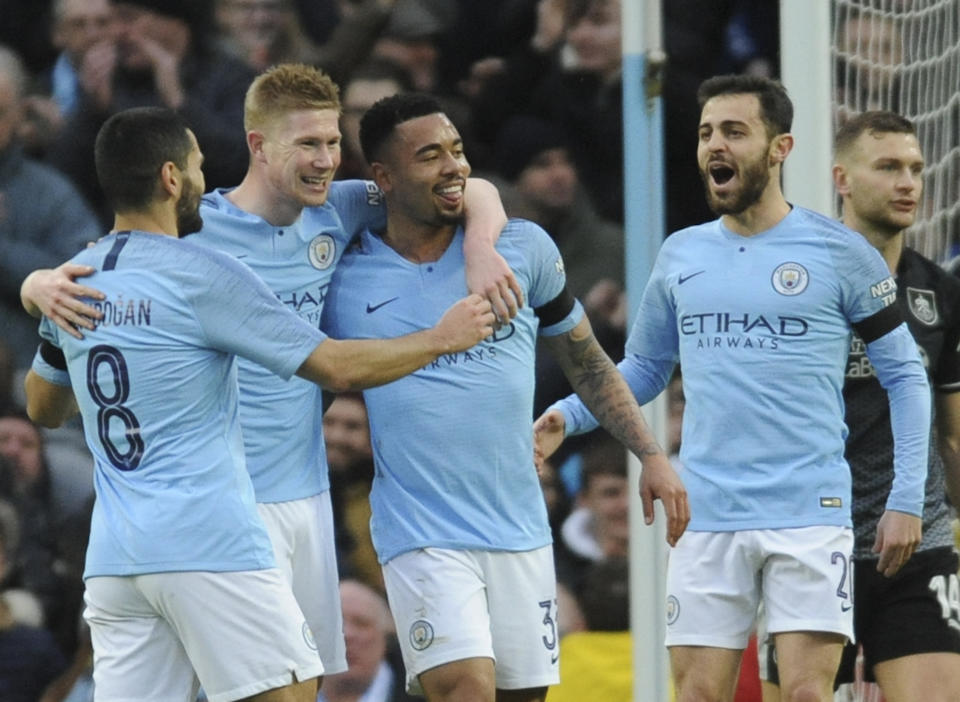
603,390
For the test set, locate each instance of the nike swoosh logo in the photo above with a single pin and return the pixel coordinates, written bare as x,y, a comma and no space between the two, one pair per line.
844,607
683,279
554,658
374,308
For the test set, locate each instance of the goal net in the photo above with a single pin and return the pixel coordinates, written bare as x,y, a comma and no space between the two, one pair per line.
904,55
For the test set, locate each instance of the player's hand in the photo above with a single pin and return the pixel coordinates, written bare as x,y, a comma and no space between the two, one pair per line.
547,436
898,535
465,324
55,293
659,481
489,275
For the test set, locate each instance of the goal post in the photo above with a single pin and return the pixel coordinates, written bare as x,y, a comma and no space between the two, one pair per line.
842,57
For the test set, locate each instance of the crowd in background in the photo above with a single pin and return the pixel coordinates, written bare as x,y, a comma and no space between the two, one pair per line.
534,87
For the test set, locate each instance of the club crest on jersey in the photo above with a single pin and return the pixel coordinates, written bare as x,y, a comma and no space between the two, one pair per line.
790,278
421,634
923,305
321,251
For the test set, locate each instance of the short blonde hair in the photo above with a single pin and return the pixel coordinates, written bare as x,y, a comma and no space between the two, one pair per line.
287,87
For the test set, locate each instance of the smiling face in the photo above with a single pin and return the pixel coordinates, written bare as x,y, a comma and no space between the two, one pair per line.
424,170
734,153
880,177
300,151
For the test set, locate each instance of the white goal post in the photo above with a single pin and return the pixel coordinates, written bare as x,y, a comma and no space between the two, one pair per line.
842,57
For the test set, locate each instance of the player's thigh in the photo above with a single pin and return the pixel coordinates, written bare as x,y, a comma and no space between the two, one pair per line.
924,677
303,540
243,631
296,692
713,589
915,612
466,680
522,599
705,672
808,660
137,655
807,580
439,605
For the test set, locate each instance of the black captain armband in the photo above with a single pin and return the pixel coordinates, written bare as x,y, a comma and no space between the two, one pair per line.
52,355
876,325
555,310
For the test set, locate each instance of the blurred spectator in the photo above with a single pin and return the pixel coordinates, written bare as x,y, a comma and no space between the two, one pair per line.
411,39
263,33
869,51
75,684
367,629
375,79
346,433
534,155
76,26
26,485
702,39
570,74
162,56
555,496
605,599
29,657
43,219
598,528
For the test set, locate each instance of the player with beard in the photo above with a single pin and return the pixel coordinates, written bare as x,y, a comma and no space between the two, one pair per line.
290,222
758,307
908,624
458,517
181,580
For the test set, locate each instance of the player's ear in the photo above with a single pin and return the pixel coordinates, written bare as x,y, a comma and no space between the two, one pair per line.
255,142
841,180
171,180
381,176
780,148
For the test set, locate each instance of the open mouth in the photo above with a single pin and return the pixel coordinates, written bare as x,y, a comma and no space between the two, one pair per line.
721,173
450,193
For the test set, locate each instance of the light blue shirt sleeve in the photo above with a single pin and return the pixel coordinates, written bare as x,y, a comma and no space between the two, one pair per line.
44,369
900,371
245,318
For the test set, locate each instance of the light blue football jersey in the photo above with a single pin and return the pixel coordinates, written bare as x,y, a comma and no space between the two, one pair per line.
452,442
157,391
282,419
761,327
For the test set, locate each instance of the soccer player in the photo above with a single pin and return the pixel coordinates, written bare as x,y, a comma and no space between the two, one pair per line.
907,623
180,574
290,222
758,307
459,521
